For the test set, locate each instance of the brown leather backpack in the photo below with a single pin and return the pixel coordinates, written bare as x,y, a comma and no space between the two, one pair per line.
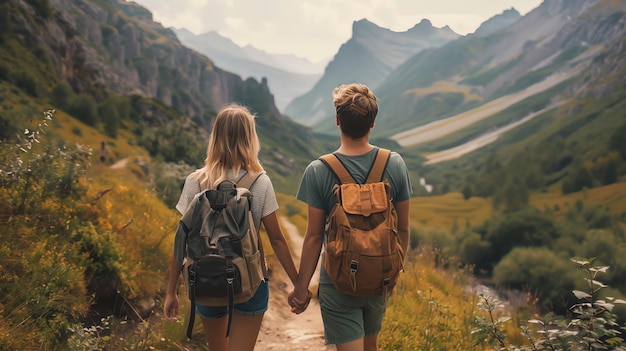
364,255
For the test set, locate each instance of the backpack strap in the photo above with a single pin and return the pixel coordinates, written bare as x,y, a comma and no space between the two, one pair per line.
375,173
335,165
247,180
379,165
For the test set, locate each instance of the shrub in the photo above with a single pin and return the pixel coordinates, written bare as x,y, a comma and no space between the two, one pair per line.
61,95
538,269
110,117
26,82
593,324
84,108
528,227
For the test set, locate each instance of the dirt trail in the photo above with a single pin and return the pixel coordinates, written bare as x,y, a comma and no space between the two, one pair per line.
282,330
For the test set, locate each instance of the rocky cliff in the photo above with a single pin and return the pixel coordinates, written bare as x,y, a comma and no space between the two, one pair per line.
116,46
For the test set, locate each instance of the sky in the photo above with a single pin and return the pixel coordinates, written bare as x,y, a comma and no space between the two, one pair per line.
315,29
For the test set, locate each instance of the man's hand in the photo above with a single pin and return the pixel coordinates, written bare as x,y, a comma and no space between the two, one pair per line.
299,300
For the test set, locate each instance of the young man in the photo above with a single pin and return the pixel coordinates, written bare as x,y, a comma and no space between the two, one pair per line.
350,323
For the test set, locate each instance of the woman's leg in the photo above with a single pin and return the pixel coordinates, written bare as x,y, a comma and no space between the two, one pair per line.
215,331
244,331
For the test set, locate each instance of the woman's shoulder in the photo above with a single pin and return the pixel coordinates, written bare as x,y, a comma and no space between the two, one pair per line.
262,181
195,175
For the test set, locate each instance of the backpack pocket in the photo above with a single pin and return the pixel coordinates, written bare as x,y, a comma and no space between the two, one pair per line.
255,269
359,265
207,276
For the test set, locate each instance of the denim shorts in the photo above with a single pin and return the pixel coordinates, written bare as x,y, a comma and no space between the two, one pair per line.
255,306
347,318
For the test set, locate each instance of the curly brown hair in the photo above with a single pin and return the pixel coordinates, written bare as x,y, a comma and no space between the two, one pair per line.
356,108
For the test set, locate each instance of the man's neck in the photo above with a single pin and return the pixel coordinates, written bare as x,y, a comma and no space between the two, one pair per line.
354,147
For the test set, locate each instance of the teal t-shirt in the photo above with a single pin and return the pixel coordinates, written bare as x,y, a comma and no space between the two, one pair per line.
318,180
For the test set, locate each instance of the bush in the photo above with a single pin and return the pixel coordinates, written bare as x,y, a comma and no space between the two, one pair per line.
539,270
61,95
110,117
84,108
26,82
528,227
577,179
593,325
475,251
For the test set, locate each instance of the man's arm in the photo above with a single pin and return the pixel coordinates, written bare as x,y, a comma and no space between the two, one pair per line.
402,209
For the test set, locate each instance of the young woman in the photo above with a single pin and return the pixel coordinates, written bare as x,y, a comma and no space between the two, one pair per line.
232,151
350,323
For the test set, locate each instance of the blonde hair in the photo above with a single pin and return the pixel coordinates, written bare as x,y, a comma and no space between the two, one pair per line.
356,107
233,145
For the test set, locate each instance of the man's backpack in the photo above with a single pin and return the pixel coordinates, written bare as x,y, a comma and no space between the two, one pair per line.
364,255
223,264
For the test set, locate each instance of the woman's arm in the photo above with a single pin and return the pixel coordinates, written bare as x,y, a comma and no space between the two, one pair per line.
311,249
170,307
280,246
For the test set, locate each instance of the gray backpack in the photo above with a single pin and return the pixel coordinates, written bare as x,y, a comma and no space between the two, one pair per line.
224,262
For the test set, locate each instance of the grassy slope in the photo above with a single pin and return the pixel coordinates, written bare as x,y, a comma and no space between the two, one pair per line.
444,210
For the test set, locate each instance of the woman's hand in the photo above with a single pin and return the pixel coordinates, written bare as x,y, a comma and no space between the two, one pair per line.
299,300
170,307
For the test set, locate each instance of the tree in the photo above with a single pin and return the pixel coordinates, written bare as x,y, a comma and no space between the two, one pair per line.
61,95
539,270
528,227
84,108
110,116
513,196
616,140
577,178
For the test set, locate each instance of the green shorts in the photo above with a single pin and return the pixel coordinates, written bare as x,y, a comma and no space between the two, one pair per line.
347,318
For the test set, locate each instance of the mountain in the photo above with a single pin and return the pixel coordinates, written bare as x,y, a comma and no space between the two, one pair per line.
473,70
367,57
83,57
498,22
542,98
288,76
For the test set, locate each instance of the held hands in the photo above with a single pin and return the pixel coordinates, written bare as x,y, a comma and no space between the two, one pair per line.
299,300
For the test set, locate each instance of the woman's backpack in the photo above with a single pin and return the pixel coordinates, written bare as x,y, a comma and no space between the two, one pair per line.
364,255
224,263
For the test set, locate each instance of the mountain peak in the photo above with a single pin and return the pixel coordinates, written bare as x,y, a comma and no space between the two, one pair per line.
364,27
497,22
424,23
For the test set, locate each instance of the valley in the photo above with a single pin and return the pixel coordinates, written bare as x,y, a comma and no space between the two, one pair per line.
483,140
443,127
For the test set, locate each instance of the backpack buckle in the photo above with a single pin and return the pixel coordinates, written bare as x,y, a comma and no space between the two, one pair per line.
192,278
230,275
354,266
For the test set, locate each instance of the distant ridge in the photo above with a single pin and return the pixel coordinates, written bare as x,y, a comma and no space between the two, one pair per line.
498,22
367,57
287,75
